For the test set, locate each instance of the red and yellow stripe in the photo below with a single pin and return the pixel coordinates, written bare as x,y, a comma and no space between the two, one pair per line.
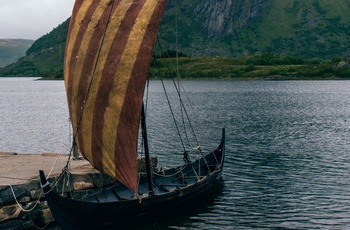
108,51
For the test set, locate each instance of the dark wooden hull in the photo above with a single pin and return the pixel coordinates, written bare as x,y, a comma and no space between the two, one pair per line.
117,205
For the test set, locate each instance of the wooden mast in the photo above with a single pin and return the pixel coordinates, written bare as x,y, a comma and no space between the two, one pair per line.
147,155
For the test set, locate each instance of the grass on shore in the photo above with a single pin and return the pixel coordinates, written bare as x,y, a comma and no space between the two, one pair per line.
257,67
238,69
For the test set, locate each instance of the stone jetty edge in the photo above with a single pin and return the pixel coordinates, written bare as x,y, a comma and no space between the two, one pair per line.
22,204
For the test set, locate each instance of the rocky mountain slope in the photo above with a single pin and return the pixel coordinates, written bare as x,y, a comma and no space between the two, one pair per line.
306,28
228,28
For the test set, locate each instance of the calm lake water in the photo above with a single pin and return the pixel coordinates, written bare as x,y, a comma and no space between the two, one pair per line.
288,143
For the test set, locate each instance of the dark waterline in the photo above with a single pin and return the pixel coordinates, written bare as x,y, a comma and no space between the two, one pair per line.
287,166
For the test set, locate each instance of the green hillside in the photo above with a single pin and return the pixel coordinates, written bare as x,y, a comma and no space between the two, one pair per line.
308,29
305,28
44,57
12,49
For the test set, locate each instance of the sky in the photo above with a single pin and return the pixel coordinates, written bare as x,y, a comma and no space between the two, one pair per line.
31,19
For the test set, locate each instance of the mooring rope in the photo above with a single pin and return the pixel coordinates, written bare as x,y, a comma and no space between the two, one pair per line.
28,210
53,166
37,227
19,204
41,192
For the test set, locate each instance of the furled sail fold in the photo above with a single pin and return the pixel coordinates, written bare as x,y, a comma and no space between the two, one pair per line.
108,52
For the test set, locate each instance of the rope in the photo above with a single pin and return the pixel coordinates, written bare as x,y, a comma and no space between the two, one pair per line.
37,227
176,37
170,175
172,114
186,158
177,88
183,108
19,204
41,193
179,83
53,166
183,112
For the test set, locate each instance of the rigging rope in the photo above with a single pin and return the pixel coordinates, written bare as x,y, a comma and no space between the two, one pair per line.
177,87
178,90
176,38
187,116
172,113
165,91
182,105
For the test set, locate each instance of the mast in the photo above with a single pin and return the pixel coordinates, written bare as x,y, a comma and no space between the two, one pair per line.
147,156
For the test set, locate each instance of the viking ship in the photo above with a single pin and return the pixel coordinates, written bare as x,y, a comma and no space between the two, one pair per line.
108,53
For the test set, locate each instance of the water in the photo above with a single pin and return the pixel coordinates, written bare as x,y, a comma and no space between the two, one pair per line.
287,164
34,116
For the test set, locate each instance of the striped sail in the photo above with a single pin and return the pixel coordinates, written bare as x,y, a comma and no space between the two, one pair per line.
108,52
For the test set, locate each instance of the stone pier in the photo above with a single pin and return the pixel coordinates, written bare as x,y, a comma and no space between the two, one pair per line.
22,204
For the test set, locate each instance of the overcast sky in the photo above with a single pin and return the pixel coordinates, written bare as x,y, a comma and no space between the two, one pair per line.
31,19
